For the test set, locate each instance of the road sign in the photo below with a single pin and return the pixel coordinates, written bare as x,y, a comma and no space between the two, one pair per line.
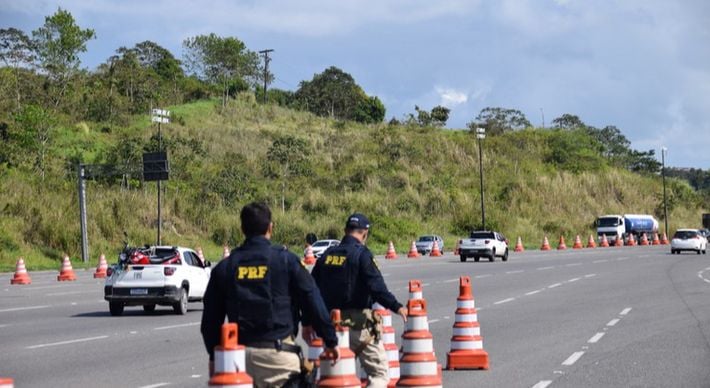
155,166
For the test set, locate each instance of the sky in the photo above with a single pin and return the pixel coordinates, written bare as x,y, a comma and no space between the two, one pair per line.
641,65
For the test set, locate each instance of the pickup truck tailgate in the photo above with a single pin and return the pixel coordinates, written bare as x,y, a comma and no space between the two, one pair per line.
141,276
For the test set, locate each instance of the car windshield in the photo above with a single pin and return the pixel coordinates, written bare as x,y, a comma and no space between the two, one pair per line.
482,235
321,244
685,234
606,222
426,238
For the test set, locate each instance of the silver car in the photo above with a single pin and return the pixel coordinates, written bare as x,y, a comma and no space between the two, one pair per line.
425,244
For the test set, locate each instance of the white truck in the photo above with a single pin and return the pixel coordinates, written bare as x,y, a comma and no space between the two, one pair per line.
617,225
483,244
157,275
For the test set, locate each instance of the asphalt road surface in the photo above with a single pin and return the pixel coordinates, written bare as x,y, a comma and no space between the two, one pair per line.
605,317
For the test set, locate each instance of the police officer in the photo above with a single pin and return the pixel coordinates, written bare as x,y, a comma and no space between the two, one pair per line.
350,280
264,289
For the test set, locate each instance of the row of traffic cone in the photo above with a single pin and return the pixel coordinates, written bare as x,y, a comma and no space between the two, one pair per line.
591,243
66,272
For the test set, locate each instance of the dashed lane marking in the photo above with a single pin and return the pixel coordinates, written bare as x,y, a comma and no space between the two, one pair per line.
596,338
451,280
195,376
554,285
483,276
518,271
573,280
613,322
542,384
67,342
544,268
600,261
155,385
572,359
572,264
434,320
23,308
64,293
622,258
625,311
591,275
504,301
176,326
532,292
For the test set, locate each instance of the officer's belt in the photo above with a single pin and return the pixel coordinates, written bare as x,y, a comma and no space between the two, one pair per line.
276,345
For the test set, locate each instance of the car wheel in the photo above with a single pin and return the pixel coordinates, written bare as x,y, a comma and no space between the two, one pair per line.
698,251
149,308
116,308
180,306
476,258
505,256
463,258
492,257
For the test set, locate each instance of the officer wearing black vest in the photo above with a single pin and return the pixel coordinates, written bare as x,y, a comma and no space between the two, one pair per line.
349,280
264,289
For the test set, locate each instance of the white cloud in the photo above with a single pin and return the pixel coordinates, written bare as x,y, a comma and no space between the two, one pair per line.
450,97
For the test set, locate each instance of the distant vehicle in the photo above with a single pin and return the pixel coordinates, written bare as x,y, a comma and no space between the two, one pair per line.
483,244
425,243
688,240
320,246
705,233
617,225
157,275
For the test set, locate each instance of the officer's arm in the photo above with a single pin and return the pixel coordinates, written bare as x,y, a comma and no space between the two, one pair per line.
214,308
376,283
314,311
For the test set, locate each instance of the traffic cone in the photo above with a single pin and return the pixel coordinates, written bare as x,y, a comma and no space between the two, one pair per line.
664,239
343,373
644,240
466,343
413,253
655,241
415,289
229,361
605,242
591,243
519,245
577,243
225,252
545,245
101,268
435,252
561,246
418,365
6,382
391,253
21,275
619,242
310,258
632,241
67,272
388,340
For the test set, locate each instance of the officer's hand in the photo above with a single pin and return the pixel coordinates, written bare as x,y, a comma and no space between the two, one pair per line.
211,368
332,354
307,333
403,313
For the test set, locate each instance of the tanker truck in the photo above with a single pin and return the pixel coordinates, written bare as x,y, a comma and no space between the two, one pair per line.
617,225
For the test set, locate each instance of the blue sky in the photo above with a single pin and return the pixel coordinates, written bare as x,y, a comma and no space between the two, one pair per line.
643,66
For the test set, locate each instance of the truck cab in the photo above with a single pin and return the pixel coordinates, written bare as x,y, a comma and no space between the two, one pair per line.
611,226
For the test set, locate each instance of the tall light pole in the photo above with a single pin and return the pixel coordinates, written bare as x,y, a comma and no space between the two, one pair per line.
480,135
663,175
160,116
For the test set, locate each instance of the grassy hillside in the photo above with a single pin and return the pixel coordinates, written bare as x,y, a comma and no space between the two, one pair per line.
409,180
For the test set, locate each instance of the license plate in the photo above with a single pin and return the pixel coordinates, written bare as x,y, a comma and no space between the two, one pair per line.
139,291
137,275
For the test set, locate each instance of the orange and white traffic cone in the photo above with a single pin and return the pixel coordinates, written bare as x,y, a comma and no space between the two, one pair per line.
664,239
519,245
656,240
644,240
6,382
391,253
67,272
605,242
435,252
344,372
21,276
466,343
591,243
619,242
577,243
225,252
413,253
418,364
545,244
388,340
229,361
632,241
102,268
309,258
561,246
415,289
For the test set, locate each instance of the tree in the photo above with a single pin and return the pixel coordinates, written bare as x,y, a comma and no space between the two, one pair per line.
614,143
287,157
369,110
568,121
221,61
440,115
16,51
34,132
497,121
58,43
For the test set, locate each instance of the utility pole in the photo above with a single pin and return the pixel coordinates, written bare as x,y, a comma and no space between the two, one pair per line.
480,135
663,175
266,69
542,112
82,215
160,116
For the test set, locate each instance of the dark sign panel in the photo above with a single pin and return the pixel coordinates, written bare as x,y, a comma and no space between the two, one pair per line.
155,166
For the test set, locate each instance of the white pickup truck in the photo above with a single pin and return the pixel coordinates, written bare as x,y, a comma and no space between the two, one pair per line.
483,244
158,275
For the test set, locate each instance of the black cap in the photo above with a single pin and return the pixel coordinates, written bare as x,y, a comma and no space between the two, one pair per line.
357,221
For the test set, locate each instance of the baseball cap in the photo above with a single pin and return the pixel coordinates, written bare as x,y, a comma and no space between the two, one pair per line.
357,221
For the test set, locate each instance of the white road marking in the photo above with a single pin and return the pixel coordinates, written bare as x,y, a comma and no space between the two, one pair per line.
483,276
155,385
572,264
434,320
542,384
613,322
596,338
518,271
573,280
532,292
23,308
700,275
451,280
504,301
67,342
544,268
625,311
426,284
176,326
132,332
5,325
55,286
600,261
64,293
554,285
448,317
573,358
591,275
622,258
195,376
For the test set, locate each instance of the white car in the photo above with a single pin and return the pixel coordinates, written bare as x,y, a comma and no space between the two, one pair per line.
320,246
425,244
688,240
150,276
483,244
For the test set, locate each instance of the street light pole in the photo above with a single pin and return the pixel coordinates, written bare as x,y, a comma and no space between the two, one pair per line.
480,135
663,175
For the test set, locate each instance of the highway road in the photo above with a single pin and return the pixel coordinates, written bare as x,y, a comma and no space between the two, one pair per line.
605,317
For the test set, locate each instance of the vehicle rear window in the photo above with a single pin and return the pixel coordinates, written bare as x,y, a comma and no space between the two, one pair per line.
482,235
426,238
683,234
321,244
